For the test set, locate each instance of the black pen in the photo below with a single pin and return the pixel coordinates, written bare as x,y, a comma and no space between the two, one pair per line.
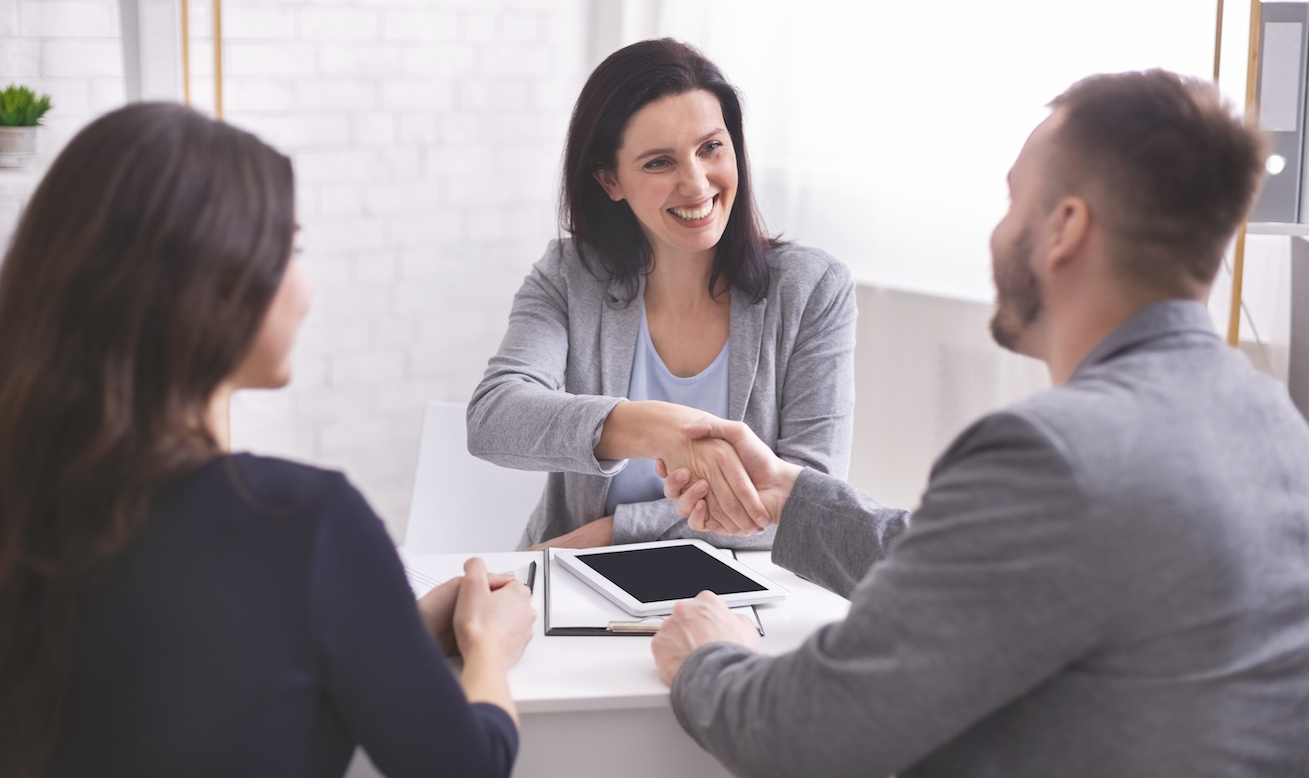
531,577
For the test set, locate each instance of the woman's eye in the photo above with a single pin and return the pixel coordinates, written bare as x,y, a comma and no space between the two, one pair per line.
712,146
656,164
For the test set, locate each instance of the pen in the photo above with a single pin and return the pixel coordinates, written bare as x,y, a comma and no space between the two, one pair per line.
642,627
531,577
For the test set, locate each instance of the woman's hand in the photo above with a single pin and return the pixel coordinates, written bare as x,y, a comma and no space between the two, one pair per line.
492,626
590,535
437,609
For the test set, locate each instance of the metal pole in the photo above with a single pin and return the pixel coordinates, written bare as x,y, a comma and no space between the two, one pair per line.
1238,260
186,52
1218,42
218,59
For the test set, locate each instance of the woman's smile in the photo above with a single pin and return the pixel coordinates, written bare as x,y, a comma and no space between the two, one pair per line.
696,215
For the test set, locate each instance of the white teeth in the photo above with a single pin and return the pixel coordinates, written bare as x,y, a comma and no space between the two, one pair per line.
695,215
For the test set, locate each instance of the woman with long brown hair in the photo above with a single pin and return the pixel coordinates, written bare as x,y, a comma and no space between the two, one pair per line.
166,608
666,302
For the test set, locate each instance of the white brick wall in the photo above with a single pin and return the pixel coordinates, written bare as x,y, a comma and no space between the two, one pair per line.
427,166
71,50
426,154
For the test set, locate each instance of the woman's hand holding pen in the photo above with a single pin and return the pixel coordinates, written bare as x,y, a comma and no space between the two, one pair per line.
490,619
492,626
437,608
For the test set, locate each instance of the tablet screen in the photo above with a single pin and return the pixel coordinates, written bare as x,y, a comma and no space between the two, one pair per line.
670,573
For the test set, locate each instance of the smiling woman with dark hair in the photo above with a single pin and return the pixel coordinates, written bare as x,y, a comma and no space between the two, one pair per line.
668,293
165,608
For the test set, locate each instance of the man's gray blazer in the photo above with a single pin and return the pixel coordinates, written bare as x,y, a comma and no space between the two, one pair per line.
1110,578
790,378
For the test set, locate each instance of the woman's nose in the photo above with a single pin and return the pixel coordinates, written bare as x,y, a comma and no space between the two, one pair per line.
694,178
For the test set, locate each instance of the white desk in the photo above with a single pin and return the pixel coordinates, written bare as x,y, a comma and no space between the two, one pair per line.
594,706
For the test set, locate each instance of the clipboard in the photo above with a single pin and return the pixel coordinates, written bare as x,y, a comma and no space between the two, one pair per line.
573,608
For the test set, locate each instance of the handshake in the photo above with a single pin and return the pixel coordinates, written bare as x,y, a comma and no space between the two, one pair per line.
726,480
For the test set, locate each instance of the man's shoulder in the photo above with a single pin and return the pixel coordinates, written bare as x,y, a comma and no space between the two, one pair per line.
1157,419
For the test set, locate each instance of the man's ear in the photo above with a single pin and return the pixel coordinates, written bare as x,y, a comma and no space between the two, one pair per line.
609,182
1070,225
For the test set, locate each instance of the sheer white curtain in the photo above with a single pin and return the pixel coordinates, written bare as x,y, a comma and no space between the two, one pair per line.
882,132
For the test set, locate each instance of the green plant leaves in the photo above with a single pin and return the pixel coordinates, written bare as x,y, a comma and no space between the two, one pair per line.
20,107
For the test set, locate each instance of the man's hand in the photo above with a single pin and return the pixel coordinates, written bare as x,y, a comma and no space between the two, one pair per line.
706,619
590,535
772,476
437,608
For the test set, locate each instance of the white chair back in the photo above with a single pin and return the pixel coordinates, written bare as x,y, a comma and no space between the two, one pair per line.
461,503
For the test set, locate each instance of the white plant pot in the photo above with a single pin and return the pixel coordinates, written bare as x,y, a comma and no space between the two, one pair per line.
17,146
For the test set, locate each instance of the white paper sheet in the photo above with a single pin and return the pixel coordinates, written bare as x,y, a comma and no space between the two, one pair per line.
427,571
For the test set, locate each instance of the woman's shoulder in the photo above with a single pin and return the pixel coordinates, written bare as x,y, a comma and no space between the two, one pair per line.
562,258
580,279
273,486
796,268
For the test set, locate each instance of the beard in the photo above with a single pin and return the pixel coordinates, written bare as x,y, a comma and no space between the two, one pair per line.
1017,293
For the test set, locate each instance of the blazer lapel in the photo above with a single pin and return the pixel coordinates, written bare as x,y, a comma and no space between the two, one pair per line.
618,330
747,332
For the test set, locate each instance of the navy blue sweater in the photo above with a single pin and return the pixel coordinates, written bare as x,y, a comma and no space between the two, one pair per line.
260,624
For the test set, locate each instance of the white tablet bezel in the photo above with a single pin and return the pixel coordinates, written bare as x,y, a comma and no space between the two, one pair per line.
569,559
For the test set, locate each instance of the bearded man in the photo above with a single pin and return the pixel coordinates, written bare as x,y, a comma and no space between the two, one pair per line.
1110,578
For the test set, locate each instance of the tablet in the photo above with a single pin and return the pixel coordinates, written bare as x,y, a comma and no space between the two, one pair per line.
646,579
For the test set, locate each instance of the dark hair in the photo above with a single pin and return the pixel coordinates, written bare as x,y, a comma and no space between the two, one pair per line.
1169,169
136,283
607,232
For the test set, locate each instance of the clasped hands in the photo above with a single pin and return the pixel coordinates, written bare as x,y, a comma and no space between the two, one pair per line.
723,478
730,482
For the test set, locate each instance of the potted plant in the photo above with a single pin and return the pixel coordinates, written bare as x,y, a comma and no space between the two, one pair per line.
20,114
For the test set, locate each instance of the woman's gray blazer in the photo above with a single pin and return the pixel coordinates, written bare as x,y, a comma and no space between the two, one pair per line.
567,358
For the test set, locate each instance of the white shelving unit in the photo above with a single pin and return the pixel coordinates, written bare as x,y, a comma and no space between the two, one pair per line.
1277,228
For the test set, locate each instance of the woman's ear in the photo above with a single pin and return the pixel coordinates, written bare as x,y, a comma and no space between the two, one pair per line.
609,182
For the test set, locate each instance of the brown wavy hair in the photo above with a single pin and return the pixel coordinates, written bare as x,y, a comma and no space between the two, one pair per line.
135,285
607,236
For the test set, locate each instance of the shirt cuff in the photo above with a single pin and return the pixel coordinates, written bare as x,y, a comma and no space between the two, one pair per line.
607,467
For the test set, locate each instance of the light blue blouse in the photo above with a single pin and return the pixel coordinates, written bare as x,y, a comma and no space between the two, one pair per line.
651,380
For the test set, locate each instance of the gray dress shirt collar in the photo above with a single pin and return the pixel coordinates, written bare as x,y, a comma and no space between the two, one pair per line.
1170,317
